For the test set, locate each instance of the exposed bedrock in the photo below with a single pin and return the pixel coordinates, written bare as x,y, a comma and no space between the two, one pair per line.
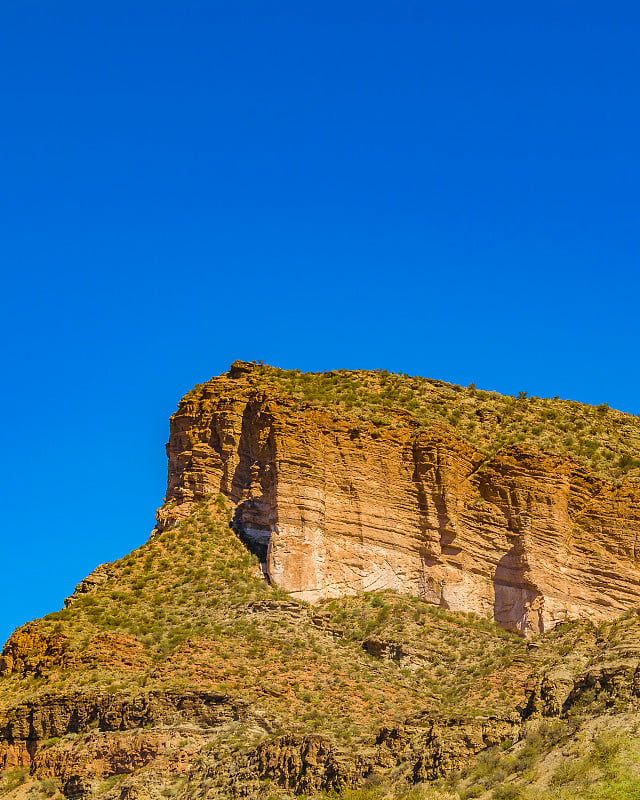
338,508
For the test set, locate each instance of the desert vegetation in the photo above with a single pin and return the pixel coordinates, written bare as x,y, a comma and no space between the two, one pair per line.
191,608
603,439
192,605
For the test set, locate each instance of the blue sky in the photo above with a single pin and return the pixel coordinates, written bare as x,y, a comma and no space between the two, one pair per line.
443,189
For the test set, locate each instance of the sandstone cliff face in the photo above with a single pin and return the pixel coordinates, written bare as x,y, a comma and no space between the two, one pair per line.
335,507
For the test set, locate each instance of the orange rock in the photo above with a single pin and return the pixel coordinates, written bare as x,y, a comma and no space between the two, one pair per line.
29,651
337,508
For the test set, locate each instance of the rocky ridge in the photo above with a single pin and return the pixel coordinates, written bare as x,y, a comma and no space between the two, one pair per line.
431,663
335,506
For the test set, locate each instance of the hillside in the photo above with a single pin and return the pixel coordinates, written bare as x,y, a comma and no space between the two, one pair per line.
187,670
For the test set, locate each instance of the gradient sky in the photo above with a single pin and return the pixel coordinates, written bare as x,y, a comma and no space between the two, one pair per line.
447,189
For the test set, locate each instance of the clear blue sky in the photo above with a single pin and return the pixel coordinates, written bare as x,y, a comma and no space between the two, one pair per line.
447,189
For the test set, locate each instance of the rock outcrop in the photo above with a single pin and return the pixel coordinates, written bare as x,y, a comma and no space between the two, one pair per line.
335,507
179,671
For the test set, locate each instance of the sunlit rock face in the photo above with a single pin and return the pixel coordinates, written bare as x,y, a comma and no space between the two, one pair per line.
333,507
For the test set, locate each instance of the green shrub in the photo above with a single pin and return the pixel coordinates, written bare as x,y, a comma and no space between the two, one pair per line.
507,791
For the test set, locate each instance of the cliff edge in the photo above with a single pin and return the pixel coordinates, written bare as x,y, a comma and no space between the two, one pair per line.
477,519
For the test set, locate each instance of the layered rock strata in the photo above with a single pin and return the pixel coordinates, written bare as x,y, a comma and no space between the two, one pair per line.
334,507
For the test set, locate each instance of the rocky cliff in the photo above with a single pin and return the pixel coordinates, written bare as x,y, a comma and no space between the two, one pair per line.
336,505
415,516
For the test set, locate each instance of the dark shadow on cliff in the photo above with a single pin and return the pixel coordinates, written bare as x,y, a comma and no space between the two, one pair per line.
517,604
432,502
252,484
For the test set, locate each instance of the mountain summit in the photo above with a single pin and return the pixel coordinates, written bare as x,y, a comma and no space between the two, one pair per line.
361,584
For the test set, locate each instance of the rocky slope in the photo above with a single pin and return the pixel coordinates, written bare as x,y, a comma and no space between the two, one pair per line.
337,505
195,667
179,670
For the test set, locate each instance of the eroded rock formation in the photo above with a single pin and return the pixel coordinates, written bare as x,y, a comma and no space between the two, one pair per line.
335,507
178,671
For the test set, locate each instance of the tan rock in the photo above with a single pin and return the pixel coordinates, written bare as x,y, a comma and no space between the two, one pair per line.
337,508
